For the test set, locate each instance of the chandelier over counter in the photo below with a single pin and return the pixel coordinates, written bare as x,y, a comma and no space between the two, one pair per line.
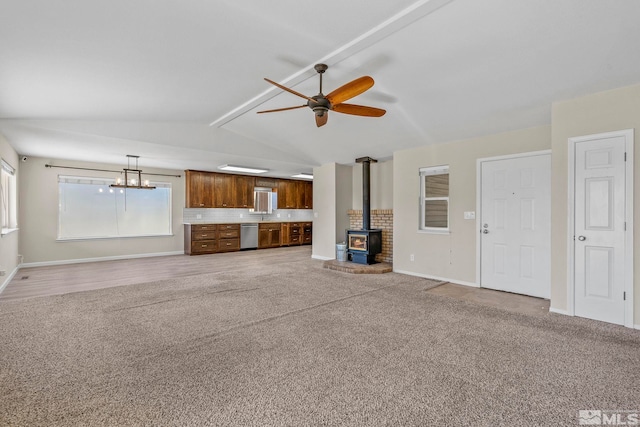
132,176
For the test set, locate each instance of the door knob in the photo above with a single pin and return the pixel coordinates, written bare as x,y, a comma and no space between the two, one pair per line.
582,238
485,231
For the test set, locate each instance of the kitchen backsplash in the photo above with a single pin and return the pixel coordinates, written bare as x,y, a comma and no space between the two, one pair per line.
195,215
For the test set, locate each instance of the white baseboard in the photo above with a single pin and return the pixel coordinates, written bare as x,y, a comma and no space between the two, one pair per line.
322,258
442,279
558,311
9,278
97,259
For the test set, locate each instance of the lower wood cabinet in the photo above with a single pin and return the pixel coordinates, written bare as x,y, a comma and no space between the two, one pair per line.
269,235
214,238
211,238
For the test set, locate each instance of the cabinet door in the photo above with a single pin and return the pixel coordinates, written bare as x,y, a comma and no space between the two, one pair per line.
308,195
200,189
299,186
224,191
275,237
263,238
284,234
287,194
244,191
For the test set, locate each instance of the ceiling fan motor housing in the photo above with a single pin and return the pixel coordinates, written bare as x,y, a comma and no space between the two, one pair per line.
320,106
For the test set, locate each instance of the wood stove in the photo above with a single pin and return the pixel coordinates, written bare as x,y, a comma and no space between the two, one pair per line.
363,245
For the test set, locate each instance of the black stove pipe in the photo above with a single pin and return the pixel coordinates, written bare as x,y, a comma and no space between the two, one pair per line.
366,191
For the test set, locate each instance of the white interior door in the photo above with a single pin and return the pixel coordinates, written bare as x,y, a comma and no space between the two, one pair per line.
515,221
599,229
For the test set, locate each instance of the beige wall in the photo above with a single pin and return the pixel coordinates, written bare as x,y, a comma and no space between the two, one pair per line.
448,256
381,175
38,217
332,196
9,243
601,112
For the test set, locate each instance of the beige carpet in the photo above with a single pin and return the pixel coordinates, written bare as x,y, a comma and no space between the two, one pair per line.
293,344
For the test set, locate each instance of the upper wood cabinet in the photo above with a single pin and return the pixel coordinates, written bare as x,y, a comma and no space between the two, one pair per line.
244,191
224,192
221,190
287,194
200,187
306,198
295,194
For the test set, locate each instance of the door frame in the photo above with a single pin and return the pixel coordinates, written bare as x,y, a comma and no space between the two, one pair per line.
628,135
479,200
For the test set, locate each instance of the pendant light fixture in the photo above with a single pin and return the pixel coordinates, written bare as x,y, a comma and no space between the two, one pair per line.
132,176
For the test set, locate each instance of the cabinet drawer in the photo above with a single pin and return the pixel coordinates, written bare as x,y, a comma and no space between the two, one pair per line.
294,239
228,245
203,227
204,246
228,234
306,238
295,230
226,227
203,235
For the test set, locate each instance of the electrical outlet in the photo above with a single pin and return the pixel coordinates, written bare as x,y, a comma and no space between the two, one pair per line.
241,215
412,257
198,216
288,215
277,215
315,214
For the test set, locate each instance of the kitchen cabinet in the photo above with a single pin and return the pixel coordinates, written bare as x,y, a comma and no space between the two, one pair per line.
200,239
211,238
224,191
244,191
306,233
220,190
200,187
287,194
269,235
228,237
307,199
291,233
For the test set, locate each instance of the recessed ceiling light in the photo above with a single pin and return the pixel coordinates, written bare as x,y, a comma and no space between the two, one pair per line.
303,175
241,169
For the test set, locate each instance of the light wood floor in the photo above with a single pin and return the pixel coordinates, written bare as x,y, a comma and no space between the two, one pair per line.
61,279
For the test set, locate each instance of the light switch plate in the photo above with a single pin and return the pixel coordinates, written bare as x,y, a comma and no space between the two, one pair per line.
469,215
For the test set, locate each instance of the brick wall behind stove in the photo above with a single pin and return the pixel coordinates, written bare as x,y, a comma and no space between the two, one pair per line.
380,219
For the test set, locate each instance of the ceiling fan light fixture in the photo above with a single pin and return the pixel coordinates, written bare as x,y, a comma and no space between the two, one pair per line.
244,169
303,176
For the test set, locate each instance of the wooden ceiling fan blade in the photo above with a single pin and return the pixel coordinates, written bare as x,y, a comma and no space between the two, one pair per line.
290,90
282,109
322,120
349,90
359,110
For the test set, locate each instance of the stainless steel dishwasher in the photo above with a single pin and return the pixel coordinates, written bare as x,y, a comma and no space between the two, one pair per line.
248,236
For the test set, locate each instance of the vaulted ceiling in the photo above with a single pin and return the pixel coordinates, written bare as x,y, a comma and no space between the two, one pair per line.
179,83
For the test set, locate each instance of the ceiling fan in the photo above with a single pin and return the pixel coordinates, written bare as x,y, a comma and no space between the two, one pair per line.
321,104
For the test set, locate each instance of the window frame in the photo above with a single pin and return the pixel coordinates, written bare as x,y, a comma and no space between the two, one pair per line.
103,181
423,173
8,198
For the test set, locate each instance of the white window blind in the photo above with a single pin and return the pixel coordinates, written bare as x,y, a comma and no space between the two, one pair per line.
89,208
434,198
8,197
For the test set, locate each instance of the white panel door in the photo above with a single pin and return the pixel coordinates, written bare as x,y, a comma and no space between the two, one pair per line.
599,233
515,223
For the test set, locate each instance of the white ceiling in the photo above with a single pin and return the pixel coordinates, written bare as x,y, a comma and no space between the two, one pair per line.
179,83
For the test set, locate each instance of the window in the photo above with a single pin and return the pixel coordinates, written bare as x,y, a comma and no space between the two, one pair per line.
90,209
9,198
434,198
